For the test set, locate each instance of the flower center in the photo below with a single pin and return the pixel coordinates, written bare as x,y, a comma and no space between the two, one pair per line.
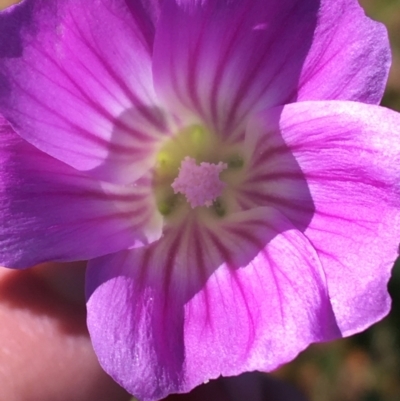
199,183
187,173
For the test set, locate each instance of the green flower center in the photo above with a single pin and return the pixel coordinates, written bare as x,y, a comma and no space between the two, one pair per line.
196,170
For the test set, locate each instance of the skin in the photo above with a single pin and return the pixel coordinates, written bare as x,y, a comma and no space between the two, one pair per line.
6,3
45,350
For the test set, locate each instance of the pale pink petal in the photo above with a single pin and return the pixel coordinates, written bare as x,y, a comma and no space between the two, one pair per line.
349,58
51,212
220,296
348,154
76,82
218,61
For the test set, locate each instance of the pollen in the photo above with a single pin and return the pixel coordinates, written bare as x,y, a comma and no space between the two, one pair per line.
200,184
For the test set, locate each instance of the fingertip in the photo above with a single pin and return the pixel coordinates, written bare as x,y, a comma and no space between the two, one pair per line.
45,349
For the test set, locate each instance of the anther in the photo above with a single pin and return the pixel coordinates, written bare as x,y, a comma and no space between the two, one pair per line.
199,183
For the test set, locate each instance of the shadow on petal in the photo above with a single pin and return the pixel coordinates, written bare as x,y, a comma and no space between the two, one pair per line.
138,132
11,28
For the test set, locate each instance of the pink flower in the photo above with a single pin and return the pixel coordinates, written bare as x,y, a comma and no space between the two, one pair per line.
211,161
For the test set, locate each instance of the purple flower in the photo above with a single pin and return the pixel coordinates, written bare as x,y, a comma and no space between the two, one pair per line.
221,163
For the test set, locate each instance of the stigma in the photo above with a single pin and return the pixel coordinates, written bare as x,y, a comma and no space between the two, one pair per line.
200,184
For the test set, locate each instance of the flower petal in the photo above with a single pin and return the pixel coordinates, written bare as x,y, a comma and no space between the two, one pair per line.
245,293
349,154
49,211
349,58
225,59
76,81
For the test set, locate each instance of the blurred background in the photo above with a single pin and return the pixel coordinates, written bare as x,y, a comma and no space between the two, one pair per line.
365,367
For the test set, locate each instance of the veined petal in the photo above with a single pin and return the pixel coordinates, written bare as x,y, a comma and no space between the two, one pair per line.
50,211
349,154
242,294
349,58
222,60
76,82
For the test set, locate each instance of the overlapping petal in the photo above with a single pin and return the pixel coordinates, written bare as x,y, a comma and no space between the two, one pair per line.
245,293
49,211
349,154
76,81
221,60
349,58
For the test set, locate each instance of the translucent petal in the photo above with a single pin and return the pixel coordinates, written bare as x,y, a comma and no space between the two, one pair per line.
81,90
51,212
348,154
243,293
